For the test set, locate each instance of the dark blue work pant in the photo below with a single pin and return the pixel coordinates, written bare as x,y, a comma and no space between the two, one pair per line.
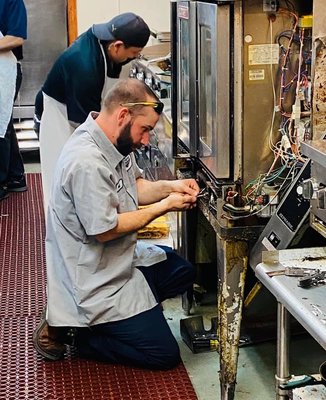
11,163
144,340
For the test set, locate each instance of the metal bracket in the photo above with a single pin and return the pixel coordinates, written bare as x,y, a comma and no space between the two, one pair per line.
270,5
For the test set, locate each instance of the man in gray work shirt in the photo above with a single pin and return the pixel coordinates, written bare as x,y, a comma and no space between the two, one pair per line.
101,281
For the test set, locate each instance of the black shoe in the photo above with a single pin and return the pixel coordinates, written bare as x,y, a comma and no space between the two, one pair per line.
17,185
3,193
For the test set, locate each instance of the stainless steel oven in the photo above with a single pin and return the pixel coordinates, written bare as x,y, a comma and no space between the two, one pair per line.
238,112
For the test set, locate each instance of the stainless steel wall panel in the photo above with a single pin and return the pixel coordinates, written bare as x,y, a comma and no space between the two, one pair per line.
47,38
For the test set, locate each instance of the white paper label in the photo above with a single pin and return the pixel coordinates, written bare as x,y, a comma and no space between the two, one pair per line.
256,74
267,244
259,54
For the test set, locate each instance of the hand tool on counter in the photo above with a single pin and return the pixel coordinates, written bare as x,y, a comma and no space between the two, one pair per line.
292,271
307,277
313,279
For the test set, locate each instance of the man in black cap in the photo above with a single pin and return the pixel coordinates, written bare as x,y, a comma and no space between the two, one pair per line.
78,81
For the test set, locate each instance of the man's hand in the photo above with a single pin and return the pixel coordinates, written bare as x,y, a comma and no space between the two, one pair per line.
179,201
180,195
185,186
150,192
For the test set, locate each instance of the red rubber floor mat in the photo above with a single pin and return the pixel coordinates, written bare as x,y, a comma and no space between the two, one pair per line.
25,375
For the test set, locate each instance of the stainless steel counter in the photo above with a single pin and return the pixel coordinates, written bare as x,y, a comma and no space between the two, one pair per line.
306,305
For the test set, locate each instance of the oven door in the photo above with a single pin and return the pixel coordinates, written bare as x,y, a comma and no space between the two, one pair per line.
181,67
212,141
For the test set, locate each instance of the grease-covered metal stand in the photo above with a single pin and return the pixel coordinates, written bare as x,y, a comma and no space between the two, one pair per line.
232,244
232,256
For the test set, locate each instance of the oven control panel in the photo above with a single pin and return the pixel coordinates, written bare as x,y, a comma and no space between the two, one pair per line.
154,75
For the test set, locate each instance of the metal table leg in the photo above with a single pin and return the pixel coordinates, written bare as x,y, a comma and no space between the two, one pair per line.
232,266
186,245
283,342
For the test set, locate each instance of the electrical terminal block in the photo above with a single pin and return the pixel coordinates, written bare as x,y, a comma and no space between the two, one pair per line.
296,111
301,130
301,96
285,143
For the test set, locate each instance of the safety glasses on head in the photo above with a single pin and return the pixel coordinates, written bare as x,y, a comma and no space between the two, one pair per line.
157,105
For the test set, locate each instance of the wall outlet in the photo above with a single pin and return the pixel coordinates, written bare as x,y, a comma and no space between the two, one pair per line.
270,5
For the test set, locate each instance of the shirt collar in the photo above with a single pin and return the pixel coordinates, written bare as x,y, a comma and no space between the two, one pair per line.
99,137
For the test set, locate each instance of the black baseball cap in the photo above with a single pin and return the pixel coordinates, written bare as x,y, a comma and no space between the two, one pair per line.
131,29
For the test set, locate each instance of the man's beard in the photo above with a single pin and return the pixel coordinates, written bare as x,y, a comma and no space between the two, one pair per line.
125,144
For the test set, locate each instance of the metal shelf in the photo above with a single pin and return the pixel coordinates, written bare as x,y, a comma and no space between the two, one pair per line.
26,136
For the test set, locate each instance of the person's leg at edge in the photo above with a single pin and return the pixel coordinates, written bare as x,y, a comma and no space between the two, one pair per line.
16,174
4,164
8,152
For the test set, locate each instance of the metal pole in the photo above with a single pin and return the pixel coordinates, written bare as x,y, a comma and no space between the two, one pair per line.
232,267
283,342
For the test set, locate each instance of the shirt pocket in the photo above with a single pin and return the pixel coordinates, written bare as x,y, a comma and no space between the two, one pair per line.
123,200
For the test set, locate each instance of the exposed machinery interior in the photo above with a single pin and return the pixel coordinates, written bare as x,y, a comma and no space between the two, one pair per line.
243,85
243,108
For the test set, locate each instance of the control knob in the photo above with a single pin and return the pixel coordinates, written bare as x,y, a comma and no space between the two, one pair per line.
308,188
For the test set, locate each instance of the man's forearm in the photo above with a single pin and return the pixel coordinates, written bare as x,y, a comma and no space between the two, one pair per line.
152,191
10,42
133,220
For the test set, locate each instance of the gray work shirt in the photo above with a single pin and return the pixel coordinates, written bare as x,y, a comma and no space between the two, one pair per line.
89,282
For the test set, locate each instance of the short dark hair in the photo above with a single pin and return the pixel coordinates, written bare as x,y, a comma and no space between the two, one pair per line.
108,42
128,90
